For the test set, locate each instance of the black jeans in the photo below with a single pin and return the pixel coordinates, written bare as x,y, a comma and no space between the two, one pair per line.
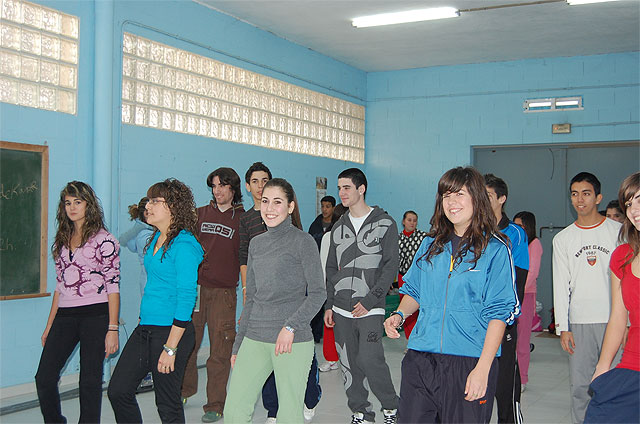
65,333
139,357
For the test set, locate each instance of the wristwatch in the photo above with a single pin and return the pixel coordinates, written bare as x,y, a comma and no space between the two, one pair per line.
290,329
171,351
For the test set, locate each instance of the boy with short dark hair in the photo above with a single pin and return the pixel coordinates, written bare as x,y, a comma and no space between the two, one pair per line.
581,289
361,266
508,388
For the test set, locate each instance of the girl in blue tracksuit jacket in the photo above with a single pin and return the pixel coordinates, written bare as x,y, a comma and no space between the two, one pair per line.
462,281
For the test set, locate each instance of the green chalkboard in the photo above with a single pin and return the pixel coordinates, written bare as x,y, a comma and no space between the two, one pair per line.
24,170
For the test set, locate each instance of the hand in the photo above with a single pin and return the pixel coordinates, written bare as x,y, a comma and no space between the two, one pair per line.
110,343
166,363
391,326
566,341
284,341
328,318
233,360
244,296
43,339
359,310
476,386
599,371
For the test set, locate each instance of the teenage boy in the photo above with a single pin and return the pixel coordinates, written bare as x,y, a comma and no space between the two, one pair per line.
361,266
581,290
318,228
508,388
325,220
218,224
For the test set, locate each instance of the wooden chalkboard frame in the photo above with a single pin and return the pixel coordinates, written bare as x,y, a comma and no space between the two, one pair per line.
44,213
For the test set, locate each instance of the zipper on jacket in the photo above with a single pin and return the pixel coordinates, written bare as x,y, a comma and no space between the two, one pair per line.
444,311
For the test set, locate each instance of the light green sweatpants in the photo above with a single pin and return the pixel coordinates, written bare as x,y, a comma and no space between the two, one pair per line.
254,363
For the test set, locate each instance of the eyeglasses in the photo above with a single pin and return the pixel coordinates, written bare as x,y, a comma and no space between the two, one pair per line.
155,201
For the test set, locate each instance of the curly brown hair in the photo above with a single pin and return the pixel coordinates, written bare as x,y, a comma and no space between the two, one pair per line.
628,233
483,224
93,218
137,211
179,199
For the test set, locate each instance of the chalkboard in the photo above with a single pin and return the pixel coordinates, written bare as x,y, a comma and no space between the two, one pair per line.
24,175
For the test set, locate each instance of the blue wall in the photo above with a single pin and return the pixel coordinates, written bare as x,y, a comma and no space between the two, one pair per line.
422,122
419,123
143,156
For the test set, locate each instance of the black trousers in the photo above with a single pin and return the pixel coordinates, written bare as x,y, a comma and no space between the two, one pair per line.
432,389
65,334
508,388
312,394
139,357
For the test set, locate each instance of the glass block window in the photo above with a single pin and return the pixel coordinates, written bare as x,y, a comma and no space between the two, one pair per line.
38,56
171,89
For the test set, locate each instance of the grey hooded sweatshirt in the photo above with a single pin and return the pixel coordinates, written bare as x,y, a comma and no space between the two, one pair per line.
361,267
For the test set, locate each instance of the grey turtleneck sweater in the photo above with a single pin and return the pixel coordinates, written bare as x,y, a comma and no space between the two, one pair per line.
285,285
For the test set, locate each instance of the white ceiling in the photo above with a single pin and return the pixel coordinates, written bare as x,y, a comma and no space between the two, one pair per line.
512,33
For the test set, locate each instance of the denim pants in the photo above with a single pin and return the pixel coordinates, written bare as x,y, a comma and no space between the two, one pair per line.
65,334
139,357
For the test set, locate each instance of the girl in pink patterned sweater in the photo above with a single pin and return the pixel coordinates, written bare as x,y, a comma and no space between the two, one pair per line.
85,305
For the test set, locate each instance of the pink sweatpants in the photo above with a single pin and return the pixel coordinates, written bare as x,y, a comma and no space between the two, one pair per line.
525,323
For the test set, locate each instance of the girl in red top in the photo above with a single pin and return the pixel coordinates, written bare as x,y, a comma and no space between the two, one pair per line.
616,392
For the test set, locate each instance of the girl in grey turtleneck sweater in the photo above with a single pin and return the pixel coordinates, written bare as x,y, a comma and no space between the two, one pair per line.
285,289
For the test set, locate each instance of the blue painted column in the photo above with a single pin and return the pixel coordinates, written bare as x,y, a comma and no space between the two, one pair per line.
103,106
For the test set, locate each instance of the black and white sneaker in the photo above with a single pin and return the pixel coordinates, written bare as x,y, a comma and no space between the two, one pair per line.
390,416
358,418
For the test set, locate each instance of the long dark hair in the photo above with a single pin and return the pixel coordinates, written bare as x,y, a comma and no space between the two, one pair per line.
179,199
93,217
483,224
628,232
528,223
291,197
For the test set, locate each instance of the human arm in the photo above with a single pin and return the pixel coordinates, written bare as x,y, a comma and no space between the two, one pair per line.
246,310
129,237
535,258
243,280
388,267
242,256
52,316
616,328
166,362
561,290
476,386
111,339
408,305
311,268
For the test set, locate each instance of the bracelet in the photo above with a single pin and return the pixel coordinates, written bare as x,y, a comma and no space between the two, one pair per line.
244,288
399,313
113,329
113,326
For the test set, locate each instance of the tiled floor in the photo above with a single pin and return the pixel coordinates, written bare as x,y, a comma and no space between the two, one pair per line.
546,399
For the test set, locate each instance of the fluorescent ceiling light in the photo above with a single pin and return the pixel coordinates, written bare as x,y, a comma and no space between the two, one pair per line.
540,104
567,103
578,2
404,17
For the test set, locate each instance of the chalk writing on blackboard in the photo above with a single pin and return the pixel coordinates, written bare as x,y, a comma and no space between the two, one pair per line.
12,191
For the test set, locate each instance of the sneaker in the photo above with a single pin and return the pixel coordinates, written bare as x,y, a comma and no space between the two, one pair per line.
211,417
328,366
308,413
358,418
270,420
390,416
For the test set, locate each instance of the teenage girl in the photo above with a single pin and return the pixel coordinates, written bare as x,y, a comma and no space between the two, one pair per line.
527,221
85,304
462,280
285,289
616,392
164,338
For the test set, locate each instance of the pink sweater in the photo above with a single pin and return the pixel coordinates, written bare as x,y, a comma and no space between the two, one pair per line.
91,273
535,256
